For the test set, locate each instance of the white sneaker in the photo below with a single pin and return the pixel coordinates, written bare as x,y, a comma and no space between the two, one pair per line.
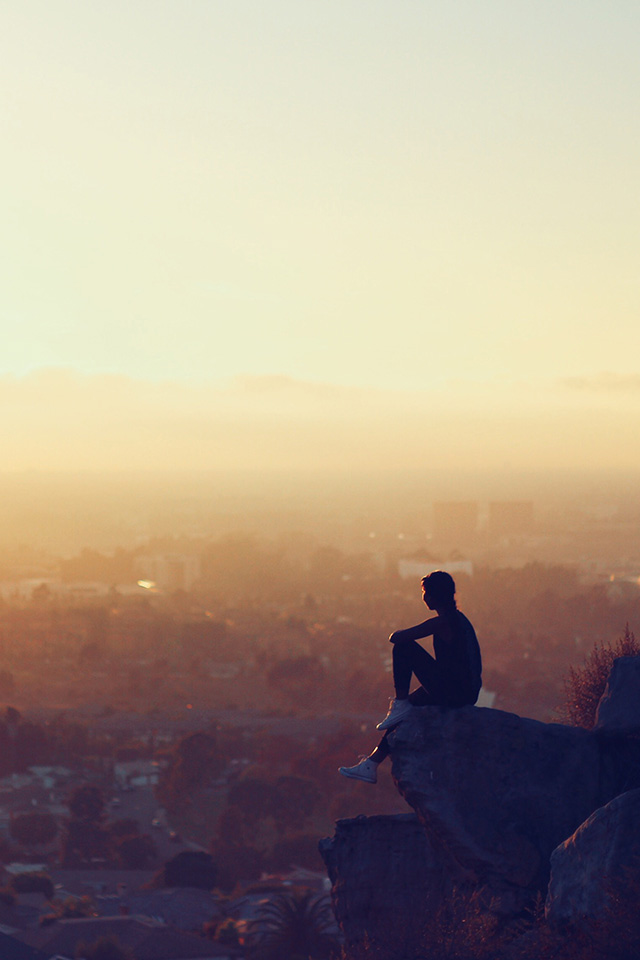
366,770
398,710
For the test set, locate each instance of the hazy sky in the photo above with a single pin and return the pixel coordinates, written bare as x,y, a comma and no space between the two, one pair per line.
408,195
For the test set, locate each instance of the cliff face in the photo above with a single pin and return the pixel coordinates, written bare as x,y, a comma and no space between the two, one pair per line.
501,792
494,794
385,875
596,869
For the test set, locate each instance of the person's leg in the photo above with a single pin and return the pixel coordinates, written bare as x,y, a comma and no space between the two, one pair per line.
367,768
418,698
381,752
409,659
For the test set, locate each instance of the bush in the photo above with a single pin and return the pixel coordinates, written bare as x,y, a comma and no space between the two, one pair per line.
136,853
35,882
105,948
584,687
236,864
299,851
297,925
190,868
75,908
34,829
228,932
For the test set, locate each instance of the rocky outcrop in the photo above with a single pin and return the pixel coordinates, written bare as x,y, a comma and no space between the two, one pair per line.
501,792
386,876
494,795
595,874
618,712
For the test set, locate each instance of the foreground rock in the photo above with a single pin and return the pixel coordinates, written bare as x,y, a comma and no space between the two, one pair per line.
495,795
595,874
386,878
500,792
619,708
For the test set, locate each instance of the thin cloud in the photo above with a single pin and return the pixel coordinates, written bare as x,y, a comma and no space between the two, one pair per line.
63,420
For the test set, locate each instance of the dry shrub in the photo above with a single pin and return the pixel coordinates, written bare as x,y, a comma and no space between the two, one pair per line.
462,928
615,935
584,686
595,940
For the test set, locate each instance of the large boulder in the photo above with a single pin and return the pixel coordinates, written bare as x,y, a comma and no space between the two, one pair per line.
619,708
500,792
595,873
495,795
386,878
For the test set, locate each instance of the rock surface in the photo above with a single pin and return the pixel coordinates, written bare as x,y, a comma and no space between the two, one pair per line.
501,792
495,795
619,708
385,877
596,870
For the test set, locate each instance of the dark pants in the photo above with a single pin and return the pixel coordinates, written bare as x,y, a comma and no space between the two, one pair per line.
437,687
409,658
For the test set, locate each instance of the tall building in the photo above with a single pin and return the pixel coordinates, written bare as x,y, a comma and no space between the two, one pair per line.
170,571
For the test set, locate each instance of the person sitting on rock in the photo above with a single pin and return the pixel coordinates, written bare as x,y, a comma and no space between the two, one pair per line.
452,679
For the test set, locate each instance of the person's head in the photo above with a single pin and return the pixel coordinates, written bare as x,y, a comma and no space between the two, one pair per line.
438,590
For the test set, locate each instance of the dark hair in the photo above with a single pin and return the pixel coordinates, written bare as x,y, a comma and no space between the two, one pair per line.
440,587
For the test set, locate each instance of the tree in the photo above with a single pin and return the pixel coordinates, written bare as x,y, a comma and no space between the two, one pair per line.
126,827
584,686
85,837
227,932
253,797
87,803
299,851
299,678
236,864
12,716
190,868
296,799
74,908
104,948
36,882
34,829
296,925
136,852
195,762
84,842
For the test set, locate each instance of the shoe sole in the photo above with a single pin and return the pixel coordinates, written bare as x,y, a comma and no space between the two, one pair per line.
387,725
354,776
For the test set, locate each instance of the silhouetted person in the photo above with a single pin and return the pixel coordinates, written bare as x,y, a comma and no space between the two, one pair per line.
452,679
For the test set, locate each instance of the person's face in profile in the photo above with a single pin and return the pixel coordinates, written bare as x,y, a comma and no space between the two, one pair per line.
427,599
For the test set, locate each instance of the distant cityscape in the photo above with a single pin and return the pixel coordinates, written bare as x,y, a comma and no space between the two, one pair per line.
182,662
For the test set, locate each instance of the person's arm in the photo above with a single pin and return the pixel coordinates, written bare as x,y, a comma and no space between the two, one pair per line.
425,629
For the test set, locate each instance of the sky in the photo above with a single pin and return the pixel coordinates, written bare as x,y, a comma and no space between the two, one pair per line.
419,217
